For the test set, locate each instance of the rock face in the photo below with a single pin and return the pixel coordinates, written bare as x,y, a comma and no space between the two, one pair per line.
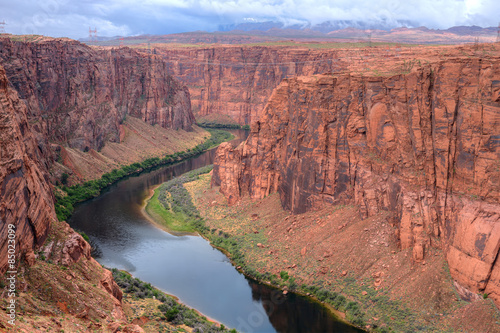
236,81
423,146
78,96
61,91
26,199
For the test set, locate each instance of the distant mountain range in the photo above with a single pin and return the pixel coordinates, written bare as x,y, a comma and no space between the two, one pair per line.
324,27
332,31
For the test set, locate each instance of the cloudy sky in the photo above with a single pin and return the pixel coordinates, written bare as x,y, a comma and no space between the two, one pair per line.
69,18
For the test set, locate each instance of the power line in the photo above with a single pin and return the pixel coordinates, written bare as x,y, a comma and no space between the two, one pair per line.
2,27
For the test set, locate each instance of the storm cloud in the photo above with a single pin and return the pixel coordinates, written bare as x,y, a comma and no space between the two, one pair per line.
65,18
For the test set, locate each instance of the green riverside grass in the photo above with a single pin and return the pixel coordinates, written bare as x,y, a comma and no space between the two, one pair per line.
68,196
175,210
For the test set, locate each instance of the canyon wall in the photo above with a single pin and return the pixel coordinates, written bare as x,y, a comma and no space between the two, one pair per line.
61,92
423,146
77,95
236,81
26,200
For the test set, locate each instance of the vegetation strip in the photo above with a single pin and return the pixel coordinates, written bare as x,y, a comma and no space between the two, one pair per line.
68,196
170,310
177,201
209,124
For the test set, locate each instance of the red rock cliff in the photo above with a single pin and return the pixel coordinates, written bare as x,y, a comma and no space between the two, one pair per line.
423,146
77,95
26,199
237,81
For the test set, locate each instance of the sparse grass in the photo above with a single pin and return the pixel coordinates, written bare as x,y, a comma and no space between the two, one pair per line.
237,246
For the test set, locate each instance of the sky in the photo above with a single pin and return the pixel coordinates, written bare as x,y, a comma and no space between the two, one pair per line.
67,18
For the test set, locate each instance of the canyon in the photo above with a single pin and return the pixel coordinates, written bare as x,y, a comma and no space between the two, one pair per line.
410,142
421,146
60,95
27,206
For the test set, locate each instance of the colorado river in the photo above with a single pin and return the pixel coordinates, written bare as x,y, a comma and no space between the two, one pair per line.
187,266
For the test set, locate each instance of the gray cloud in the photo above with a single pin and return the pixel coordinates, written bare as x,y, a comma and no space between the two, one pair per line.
114,17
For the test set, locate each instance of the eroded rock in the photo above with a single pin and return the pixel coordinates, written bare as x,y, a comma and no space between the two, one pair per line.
26,200
423,146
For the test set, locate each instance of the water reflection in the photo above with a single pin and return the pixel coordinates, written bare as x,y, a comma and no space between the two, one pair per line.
293,313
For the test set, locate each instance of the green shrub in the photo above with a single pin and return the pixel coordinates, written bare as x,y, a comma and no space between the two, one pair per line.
64,178
84,235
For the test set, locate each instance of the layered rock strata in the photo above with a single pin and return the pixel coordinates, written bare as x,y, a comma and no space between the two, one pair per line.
78,96
423,146
236,81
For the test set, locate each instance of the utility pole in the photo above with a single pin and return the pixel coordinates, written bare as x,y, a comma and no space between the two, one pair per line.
92,38
476,43
498,33
2,27
121,41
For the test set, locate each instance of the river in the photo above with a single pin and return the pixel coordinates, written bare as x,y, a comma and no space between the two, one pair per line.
188,266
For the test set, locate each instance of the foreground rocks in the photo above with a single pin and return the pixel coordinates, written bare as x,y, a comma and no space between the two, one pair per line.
423,146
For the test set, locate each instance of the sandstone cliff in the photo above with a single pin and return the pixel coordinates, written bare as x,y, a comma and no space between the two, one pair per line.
26,200
77,96
423,146
236,81
233,83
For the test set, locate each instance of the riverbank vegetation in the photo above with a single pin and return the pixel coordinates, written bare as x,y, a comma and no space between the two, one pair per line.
215,120
169,310
207,124
68,196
